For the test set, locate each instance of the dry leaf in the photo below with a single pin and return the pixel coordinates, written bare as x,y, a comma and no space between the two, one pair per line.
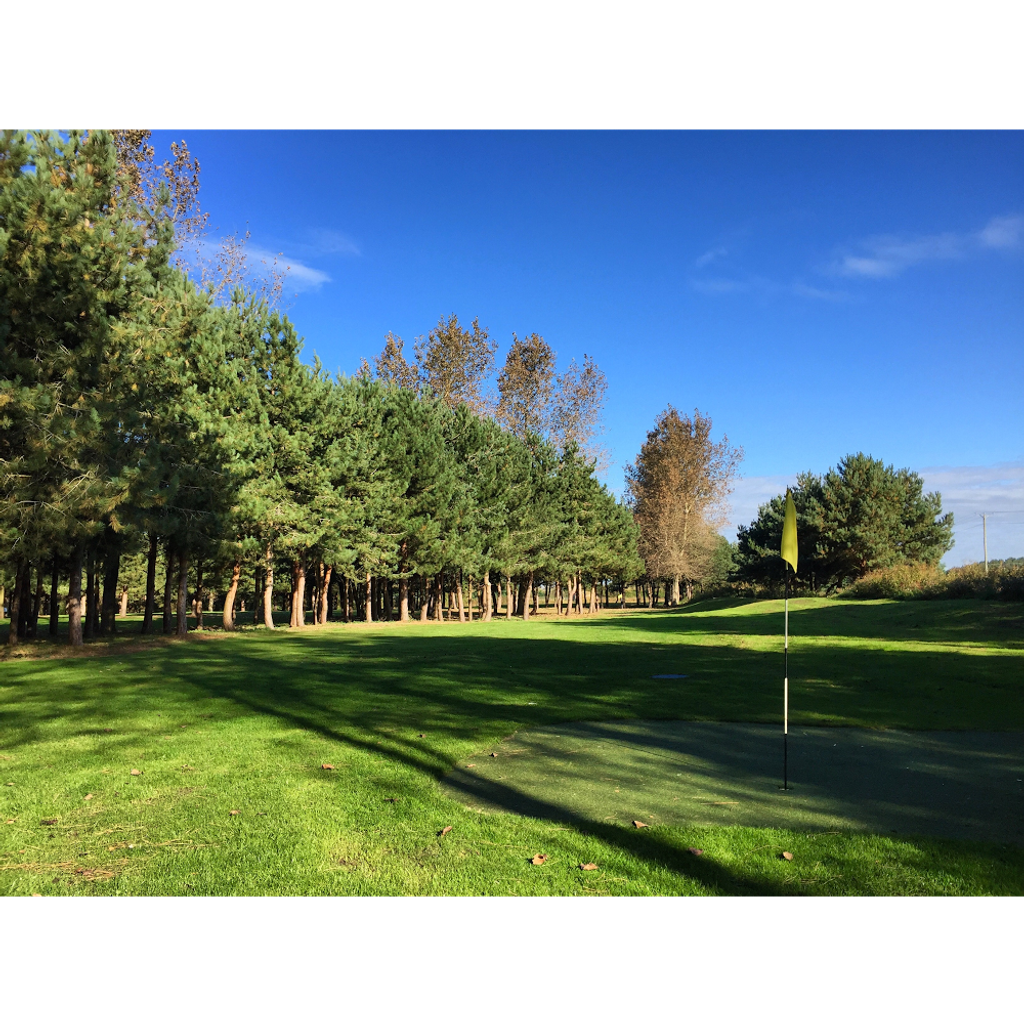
494,755
588,867
423,735
37,894
445,830
234,812
48,821
470,765
695,851
391,799
640,824
135,771
10,821
88,796
539,859
327,767
786,855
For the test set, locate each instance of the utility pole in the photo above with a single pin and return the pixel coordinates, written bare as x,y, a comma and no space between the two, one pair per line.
984,535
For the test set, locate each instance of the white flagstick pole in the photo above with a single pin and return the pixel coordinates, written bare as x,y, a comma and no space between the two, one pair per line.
785,698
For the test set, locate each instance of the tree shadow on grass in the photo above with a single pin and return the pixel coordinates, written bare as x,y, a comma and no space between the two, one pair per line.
376,691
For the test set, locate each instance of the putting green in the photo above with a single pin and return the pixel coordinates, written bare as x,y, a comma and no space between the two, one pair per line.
955,784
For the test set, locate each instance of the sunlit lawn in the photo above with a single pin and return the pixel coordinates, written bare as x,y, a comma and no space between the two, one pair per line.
244,722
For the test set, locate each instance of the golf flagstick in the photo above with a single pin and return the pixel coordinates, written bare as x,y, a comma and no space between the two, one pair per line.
785,697
789,556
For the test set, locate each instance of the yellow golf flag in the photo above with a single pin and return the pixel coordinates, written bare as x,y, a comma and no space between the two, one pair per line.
789,532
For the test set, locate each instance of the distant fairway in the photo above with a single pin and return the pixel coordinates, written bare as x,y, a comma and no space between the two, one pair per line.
244,722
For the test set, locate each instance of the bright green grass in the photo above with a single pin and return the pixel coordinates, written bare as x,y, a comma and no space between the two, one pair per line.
262,711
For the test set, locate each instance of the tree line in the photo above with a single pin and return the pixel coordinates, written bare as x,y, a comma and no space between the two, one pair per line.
143,411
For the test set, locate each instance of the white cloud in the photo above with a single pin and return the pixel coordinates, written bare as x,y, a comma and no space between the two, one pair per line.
1002,233
298,276
749,493
762,286
967,491
710,256
889,255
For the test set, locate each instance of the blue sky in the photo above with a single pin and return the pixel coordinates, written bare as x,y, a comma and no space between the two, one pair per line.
816,293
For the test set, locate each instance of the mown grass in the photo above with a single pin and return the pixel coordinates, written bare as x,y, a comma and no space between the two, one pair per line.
244,722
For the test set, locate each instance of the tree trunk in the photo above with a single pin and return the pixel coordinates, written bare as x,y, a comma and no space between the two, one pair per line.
54,603
424,599
37,603
368,615
593,597
536,610
346,613
228,615
181,617
403,599
16,592
199,594
122,610
298,616
525,595
147,617
323,609
458,596
268,589
111,570
92,605
75,598
168,589
675,589
508,597
485,595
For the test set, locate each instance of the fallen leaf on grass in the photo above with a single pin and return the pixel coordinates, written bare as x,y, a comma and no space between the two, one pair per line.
640,824
445,830
470,765
695,851
786,855
539,858
494,755
588,867
37,894
48,821
327,767
234,812
391,799
135,771
10,821
423,735
88,796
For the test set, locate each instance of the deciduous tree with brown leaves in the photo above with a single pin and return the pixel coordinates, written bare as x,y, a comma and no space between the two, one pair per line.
678,488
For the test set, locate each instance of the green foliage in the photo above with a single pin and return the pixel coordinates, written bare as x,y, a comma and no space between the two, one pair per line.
860,517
